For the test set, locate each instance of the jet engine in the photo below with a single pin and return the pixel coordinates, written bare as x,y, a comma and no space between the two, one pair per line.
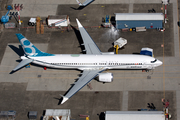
105,77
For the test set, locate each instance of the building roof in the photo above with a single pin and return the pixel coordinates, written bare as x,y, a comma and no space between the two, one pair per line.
139,16
57,16
57,112
135,112
136,115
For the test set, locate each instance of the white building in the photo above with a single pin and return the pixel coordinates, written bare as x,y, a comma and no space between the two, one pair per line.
57,114
134,115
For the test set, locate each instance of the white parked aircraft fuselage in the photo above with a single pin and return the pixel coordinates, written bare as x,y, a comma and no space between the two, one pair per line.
84,61
91,64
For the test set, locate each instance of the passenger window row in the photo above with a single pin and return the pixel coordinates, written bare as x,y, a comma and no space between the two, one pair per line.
96,63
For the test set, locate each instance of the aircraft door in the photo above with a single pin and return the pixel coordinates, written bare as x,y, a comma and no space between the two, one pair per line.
147,65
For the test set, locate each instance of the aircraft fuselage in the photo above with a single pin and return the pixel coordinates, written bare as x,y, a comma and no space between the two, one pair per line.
83,61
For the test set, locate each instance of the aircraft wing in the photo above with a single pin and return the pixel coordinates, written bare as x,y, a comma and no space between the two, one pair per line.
90,46
86,77
87,2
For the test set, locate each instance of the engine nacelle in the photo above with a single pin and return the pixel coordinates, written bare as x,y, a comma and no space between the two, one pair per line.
105,77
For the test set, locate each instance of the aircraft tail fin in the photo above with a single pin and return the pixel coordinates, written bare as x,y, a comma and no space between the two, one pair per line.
29,48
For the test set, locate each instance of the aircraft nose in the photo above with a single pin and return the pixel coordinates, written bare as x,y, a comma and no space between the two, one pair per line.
159,63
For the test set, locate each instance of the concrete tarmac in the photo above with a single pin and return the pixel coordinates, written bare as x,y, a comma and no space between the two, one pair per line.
33,8
35,88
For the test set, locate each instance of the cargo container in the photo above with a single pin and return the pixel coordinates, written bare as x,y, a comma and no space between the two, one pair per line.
58,20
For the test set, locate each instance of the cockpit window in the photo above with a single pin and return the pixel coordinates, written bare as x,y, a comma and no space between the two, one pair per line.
154,61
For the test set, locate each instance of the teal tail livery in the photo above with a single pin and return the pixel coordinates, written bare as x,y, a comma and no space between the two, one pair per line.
30,51
29,48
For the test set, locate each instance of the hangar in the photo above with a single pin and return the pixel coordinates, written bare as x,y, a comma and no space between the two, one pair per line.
131,20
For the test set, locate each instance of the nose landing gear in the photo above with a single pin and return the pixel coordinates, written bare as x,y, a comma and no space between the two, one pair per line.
145,70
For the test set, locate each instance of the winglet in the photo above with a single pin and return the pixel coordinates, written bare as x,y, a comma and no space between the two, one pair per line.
79,24
64,99
79,3
87,2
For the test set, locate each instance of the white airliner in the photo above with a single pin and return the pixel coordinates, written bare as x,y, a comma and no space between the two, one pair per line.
91,64
87,2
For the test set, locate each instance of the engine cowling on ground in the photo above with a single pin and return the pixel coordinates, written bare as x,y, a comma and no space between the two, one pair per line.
105,77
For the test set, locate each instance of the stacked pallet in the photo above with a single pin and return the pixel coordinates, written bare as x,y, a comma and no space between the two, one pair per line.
38,25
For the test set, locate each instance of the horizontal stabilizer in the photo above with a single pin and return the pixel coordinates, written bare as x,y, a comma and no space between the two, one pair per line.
22,64
147,51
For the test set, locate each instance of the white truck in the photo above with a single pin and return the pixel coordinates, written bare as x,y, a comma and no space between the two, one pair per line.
58,20
120,42
32,22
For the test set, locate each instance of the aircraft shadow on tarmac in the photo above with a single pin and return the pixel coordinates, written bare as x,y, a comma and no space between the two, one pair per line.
79,8
78,36
19,51
101,116
60,100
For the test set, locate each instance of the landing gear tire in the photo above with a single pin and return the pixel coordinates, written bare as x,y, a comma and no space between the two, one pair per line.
145,70
29,23
32,24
